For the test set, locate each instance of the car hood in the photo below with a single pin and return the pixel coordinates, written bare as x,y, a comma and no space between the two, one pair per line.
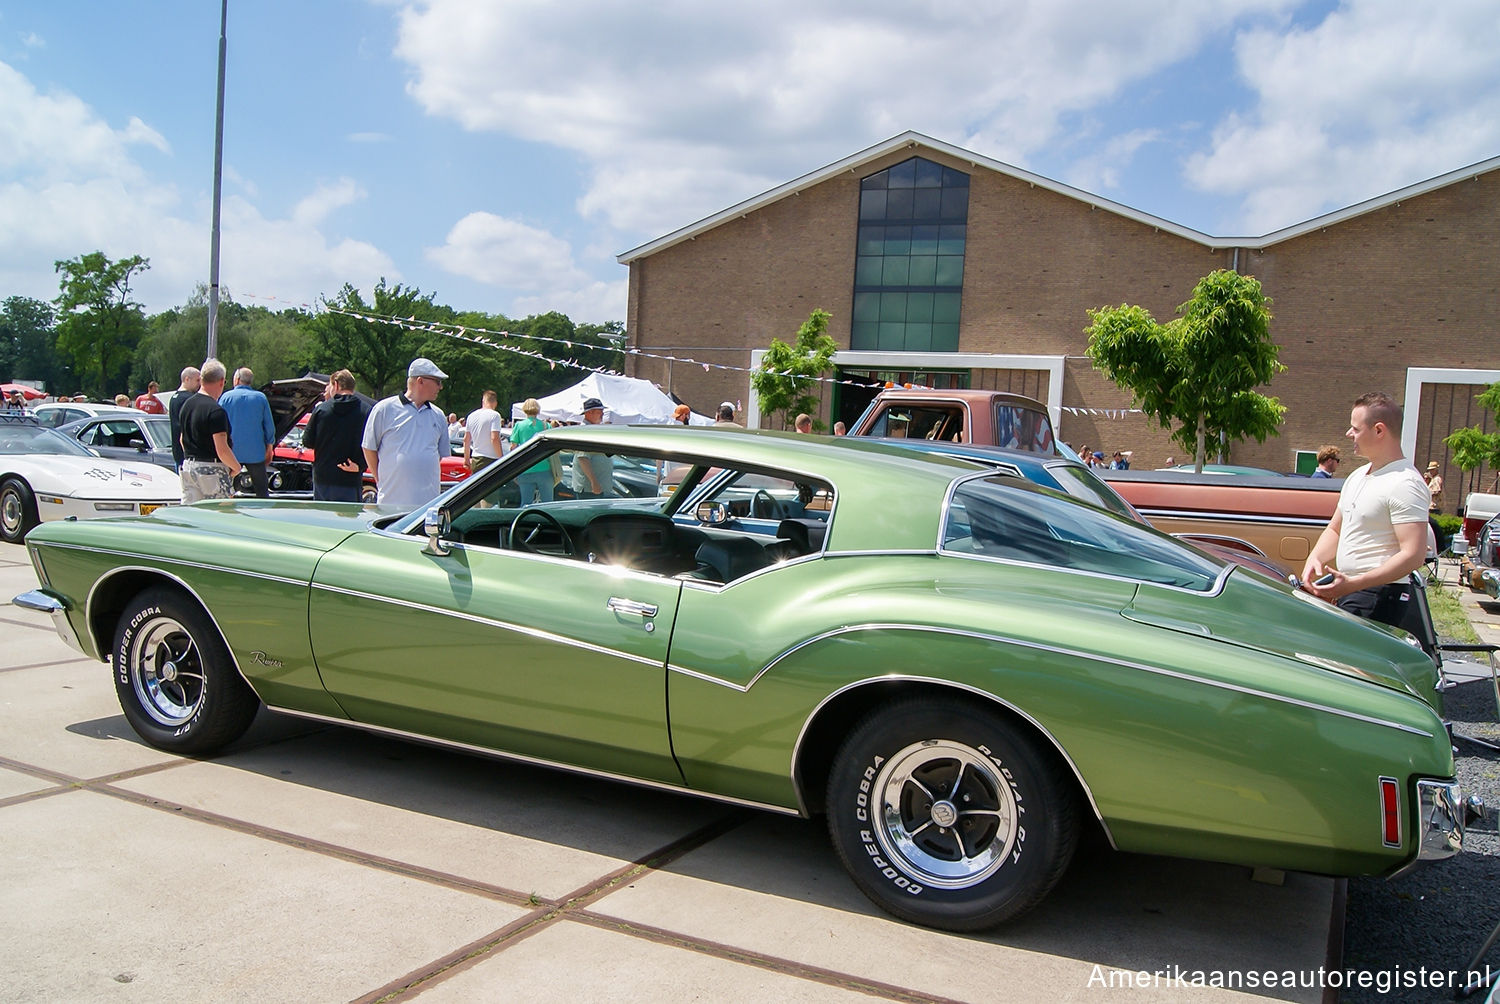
1307,630
291,399
96,477
317,525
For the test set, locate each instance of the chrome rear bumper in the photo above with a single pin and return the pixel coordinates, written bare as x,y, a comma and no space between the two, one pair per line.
1442,814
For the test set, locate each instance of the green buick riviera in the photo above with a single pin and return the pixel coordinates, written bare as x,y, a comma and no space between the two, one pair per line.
961,671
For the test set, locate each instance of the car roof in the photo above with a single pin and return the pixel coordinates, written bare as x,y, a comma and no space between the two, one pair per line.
889,498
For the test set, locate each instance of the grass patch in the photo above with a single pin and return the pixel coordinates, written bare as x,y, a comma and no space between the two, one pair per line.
1448,615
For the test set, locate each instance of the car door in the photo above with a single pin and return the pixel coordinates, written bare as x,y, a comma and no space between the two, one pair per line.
549,657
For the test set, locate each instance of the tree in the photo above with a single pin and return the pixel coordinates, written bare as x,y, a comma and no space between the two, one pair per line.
99,325
787,373
1472,447
376,352
27,340
1199,370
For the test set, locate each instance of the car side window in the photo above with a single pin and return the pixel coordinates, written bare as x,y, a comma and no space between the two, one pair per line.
935,422
994,517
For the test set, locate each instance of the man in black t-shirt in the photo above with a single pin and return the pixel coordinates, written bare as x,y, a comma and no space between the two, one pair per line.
192,379
334,431
209,465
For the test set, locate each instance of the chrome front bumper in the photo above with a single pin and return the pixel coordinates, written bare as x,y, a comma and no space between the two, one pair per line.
1442,814
44,602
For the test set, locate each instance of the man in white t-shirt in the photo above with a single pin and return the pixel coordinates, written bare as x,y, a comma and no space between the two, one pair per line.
482,434
1378,535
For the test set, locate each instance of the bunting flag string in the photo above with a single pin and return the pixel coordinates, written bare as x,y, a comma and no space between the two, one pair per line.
488,338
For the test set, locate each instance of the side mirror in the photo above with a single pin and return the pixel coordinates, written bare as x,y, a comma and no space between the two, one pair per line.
437,523
712,513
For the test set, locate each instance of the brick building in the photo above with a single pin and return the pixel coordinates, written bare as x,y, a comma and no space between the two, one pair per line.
946,268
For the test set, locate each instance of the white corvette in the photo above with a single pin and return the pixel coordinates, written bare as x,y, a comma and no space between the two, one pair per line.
46,476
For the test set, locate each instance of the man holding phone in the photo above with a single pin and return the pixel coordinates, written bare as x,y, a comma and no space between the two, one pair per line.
1378,534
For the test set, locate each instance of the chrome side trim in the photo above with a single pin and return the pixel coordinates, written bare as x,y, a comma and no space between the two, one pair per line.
525,629
485,751
918,552
1087,791
1092,657
206,566
1230,517
684,671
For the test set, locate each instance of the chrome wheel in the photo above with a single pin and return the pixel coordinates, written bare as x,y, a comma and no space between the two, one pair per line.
166,671
12,512
946,814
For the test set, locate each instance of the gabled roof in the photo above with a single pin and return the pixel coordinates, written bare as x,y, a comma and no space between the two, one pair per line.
912,140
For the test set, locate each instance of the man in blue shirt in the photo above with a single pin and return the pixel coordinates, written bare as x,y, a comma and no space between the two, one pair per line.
252,432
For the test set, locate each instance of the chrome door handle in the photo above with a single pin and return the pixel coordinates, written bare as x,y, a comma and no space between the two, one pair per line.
623,606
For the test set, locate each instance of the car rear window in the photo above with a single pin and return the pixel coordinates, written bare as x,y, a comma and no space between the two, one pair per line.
993,517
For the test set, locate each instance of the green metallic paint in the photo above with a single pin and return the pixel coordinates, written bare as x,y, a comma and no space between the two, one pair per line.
1242,726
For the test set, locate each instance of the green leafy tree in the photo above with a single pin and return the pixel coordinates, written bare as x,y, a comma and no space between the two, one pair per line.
99,324
28,343
1472,448
1198,371
376,352
786,377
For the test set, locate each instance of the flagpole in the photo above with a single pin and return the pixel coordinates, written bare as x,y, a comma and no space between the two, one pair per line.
213,254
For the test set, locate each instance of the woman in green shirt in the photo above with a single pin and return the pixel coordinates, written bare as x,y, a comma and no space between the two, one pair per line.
537,479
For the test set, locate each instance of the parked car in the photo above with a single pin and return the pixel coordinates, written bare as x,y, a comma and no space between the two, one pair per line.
989,417
46,476
59,413
291,466
963,671
134,435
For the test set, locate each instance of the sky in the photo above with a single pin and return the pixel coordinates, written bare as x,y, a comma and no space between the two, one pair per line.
501,154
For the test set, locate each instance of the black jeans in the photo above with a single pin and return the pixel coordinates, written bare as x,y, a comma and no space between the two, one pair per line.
1397,604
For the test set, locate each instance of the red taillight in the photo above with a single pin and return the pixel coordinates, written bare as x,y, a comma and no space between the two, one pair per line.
1390,811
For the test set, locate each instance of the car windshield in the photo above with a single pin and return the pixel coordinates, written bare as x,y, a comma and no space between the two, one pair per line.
159,430
993,517
22,439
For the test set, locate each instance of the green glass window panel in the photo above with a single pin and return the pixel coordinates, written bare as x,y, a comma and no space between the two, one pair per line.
945,307
955,203
954,179
929,175
892,307
892,336
866,307
874,181
863,335
918,307
867,270
923,270
897,240
872,205
951,238
945,338
950,270
898,204
918,337
927,204
897,270
924,240
904,174
872,240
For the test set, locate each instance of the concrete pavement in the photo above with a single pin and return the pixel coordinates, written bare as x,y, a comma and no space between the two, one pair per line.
324,863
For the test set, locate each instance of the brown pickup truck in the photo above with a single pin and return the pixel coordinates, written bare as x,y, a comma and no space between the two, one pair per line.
987,417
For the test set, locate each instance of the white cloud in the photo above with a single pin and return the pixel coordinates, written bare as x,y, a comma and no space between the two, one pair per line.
1100,172
519,258
69,184
682,109
32,40
314,208
369,137
1377,96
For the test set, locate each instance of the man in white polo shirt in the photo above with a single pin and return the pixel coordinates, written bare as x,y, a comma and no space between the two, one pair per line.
1378,535
406,438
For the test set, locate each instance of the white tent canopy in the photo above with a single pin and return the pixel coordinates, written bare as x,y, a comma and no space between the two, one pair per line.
627,401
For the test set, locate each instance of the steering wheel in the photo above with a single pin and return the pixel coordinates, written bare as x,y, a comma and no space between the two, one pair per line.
522,539
763,505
